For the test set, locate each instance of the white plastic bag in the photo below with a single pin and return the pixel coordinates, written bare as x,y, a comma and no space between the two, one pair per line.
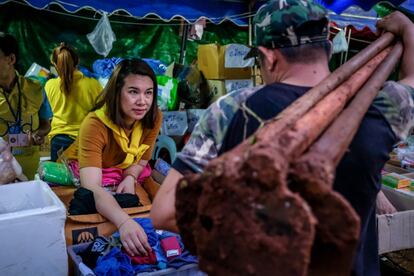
10,169
36,70
339,42
102,36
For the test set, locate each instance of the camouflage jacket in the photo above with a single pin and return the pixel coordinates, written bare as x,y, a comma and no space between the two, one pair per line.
208,134
395,101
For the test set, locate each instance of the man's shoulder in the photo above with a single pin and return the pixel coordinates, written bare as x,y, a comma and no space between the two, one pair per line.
208,134
395,101
396,90
30,85
237,96
221,111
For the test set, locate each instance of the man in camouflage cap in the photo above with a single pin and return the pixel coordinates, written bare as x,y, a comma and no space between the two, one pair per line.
292,49
289,23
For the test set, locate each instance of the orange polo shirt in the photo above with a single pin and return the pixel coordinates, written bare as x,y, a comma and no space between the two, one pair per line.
96,146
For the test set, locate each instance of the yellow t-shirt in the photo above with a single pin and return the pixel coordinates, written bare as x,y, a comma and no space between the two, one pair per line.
70,110
32,98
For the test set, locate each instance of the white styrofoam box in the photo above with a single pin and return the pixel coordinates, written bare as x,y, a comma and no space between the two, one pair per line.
32,236
396,231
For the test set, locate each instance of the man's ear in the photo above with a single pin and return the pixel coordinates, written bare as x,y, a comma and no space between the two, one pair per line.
269,56
12,59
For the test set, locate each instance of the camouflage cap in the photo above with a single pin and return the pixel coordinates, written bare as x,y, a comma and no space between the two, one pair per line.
289,23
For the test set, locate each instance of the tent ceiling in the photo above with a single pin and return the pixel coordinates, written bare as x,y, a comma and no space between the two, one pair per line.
215,10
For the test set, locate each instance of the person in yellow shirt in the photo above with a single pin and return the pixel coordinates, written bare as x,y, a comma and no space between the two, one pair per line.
71,96
24,110
119,133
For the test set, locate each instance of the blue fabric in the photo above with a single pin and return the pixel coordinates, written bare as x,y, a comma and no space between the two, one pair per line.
87,73
146,224
185,257
339,6
156,65
115,263
408,5
154,242
104,67
366,19
45,111
215,10
154,238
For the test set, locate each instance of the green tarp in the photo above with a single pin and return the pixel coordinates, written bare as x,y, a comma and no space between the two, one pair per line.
39,31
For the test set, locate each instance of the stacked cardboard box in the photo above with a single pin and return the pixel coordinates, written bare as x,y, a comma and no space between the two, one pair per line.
211,62
396,231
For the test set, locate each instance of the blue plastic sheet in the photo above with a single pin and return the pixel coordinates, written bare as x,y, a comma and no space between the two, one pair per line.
214,10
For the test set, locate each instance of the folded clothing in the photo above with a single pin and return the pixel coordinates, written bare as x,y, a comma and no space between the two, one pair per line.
151,258
171,247
96,249
83,202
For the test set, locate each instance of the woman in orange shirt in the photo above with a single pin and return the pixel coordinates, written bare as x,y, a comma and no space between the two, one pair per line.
120,133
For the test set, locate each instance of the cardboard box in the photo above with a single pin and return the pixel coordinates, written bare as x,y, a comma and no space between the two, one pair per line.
211,63
258,77
217,89
232,85
84,228
32,236
396,231
174,123
396,169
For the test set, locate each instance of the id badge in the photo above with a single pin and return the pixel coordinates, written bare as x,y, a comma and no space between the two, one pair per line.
19,140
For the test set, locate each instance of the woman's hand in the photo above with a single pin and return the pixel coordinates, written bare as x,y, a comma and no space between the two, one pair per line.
133,238
127,186
36,138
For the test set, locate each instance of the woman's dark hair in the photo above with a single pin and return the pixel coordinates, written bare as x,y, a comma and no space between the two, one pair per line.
65,60
111,94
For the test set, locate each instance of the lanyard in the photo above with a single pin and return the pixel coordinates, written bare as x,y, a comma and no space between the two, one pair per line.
18,114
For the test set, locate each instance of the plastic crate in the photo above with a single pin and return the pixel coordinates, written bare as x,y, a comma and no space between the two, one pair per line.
80,269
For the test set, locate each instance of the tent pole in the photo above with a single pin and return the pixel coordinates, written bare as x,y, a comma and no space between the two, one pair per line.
254,71
183,42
